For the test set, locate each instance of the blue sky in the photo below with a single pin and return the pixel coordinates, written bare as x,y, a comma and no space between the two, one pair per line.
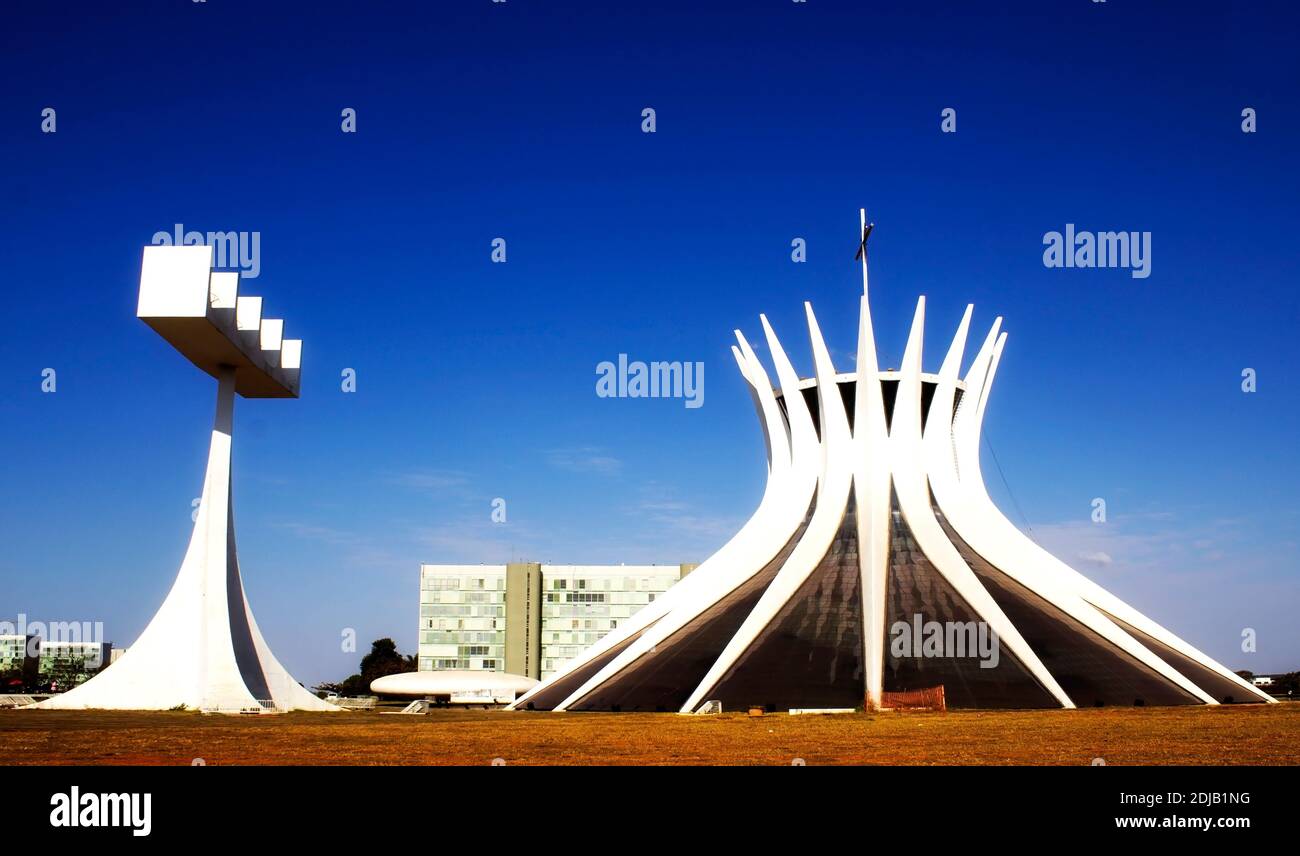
475,380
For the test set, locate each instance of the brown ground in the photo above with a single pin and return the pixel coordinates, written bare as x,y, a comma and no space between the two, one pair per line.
1248,734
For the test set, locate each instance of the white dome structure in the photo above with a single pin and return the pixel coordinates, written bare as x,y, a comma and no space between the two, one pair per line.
875,526
460,685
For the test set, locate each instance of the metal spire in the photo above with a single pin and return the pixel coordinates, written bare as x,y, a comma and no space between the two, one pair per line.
862,246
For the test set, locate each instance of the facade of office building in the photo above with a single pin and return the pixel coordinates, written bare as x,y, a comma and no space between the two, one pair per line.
528,618
72,663
37,661
13,650
19,657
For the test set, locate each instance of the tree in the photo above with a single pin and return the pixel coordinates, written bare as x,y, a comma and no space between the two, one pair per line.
383,659
1286,685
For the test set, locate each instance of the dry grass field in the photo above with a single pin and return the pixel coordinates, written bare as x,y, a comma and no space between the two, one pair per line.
1254,734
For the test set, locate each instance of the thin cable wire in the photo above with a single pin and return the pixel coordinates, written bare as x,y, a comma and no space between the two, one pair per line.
989,445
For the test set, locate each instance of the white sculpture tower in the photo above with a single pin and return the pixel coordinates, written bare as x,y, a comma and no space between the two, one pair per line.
203,650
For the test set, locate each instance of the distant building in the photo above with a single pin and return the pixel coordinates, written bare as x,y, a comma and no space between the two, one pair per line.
67,664
1262,680
38,662
14,651
528,618
18,659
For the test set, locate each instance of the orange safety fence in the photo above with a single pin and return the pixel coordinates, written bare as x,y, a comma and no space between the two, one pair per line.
928,698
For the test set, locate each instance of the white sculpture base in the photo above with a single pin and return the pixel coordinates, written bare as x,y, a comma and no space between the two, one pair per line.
202,650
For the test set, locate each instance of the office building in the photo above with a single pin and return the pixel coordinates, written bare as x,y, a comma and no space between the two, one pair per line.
528,618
